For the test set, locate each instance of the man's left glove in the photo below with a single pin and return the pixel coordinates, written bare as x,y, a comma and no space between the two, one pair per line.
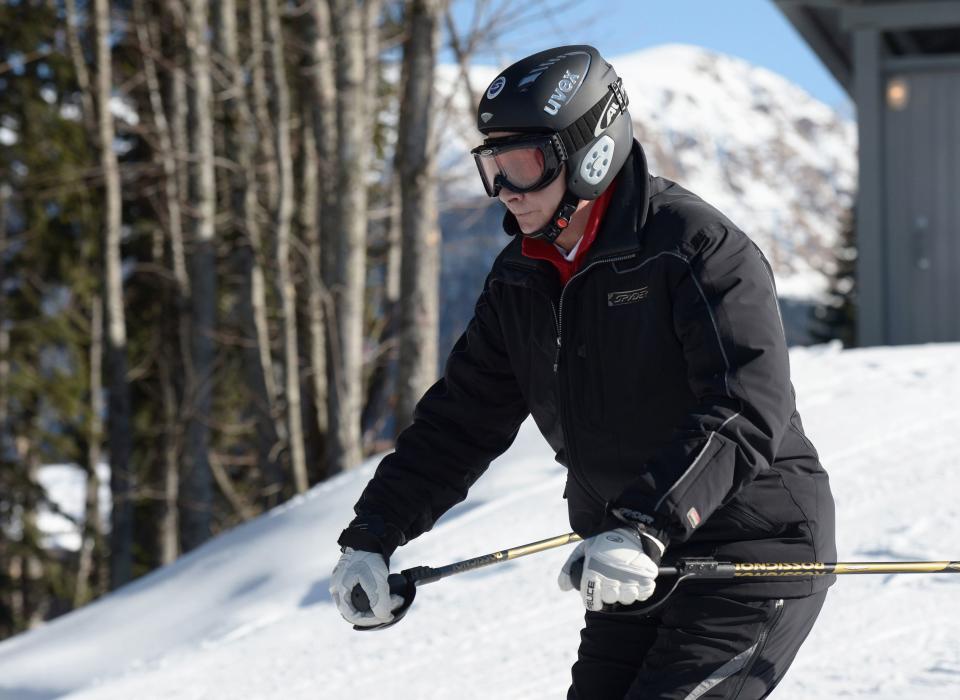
619,566
369,569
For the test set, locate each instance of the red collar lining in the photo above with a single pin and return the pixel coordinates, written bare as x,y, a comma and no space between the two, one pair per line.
540,249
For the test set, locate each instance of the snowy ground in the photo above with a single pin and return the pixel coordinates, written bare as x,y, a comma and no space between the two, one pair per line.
248,615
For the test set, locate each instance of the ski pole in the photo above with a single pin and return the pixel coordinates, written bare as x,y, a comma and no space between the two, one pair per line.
711,570
405,583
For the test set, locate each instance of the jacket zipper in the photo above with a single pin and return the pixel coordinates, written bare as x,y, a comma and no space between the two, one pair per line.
558,316
568,434
761,643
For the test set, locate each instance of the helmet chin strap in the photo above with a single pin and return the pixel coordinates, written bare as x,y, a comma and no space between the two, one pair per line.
559,221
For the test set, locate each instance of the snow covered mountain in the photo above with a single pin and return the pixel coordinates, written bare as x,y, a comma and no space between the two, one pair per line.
248,614
778,162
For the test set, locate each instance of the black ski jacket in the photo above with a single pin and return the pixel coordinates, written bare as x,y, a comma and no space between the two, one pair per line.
660,376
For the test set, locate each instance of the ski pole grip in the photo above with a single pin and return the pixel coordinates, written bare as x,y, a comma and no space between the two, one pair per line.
358,596
576,571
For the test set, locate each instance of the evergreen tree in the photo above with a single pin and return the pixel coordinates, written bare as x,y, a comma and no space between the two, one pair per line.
49,274
836,317
218,337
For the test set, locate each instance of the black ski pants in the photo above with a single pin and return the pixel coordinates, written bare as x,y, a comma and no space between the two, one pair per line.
694,646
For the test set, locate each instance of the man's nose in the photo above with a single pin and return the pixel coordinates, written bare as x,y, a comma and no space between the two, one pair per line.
509,196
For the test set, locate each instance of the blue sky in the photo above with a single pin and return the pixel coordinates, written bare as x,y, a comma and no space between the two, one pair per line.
754,30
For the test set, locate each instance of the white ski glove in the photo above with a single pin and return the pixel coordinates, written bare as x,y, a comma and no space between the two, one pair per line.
619,567
369,570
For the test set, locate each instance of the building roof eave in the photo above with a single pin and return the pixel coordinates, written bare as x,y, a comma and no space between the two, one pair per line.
819,25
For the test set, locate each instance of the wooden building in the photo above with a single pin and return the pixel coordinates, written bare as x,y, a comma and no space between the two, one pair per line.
900,63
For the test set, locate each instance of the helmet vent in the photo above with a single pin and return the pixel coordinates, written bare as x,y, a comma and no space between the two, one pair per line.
597,161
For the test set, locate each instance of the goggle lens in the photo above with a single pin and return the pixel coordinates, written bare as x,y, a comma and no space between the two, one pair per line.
522,167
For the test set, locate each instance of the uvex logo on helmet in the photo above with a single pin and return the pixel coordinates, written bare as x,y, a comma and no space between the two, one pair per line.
561,93
576,65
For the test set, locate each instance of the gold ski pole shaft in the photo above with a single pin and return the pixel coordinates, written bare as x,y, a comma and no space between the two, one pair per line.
405,583
845,567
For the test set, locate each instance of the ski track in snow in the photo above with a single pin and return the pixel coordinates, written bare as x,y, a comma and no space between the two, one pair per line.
248,614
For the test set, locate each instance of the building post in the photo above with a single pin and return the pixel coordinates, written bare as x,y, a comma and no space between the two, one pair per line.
872,267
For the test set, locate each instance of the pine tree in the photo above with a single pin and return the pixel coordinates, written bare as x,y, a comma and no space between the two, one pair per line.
836,317
50,258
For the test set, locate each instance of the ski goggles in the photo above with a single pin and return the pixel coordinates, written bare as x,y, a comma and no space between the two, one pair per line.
521,163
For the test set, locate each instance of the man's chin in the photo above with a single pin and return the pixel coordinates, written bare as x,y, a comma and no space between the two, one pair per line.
528,224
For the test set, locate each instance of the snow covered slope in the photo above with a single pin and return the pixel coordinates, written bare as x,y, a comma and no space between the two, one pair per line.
775,160
248,615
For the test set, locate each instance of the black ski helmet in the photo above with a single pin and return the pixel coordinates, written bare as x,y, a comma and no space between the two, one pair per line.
573,92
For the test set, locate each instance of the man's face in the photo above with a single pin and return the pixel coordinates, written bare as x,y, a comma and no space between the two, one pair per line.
533,209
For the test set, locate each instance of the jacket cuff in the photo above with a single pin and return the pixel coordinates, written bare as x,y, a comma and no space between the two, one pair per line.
371,533
648,527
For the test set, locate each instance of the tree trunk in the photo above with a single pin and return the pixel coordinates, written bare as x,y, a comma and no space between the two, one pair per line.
180,108
381,390
394,252
419,267
33,601
285,286
147,39
80,67
372,10
251,301
266,158
5,191
170,518
267,155
196,492
353,156
324,122
119,423
315,288
177,329
92,537
320,236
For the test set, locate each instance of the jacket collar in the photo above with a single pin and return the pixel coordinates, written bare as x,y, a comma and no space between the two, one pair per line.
622,224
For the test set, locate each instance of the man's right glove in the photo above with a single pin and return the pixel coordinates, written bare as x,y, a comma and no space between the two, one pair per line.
369,569
619,566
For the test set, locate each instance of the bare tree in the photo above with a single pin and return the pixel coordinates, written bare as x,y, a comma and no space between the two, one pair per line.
266,173
33,605
92,532
80,67
320,237
169,534
147,38
119,426
196,485
372,11
316,290
353,158
419,268
241,144
5,192
177,328
285,287
267,155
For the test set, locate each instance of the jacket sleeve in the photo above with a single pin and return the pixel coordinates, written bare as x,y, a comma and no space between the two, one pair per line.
726,316
463,422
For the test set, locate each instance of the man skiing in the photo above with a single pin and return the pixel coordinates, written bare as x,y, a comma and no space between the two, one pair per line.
640,328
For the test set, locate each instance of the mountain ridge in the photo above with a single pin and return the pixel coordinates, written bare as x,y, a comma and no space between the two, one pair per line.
774,159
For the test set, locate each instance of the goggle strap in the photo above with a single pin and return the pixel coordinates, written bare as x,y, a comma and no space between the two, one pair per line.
580,133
